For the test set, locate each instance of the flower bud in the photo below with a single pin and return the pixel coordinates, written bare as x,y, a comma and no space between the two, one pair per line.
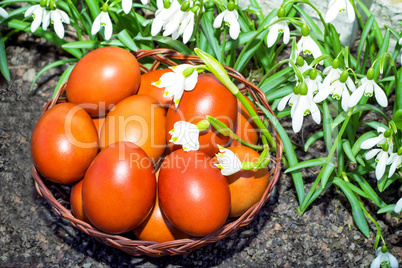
399,151
385,147
166,4
303,89
305,30
185,6
188,71
105,7
300,61
370,74
43,3
335,63
296,90
203,125
387,133
313,74
195,8
231,6
344,76
281,12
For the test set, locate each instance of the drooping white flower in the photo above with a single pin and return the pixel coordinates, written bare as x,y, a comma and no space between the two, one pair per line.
395,160
338,89
377,141
3,13
368,87
384,258
185,134
126,5
229,163
331,74
181,23
337,7
313,82
275,30
230,18
178,81
103,20
381,159
163,15
301,104
38,13
398,206
57,17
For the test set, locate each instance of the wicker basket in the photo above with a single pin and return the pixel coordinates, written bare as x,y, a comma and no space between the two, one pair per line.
178,247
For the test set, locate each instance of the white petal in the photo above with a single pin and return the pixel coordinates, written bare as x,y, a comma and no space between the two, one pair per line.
380,96
218,20
345,99
234,28
145,2
380,168
332,13
191,81
188,32
157,24
283,101
356,96
351,85
392,261
398,206
394,165
30,10
126,4
64,16
370,143
322,94
108,27
315,113
96,25
3,13
286,34
58,27
46,21
376,263
272,36
373,152
350,12
297,118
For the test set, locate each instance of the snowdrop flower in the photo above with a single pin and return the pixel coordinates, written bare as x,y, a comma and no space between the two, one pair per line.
185,134
381,159
38,12
230,17
3,13
181,23
313,81
338,89
384,257
301,65
332,73
385,137
277,28
301,101
398,206
368,87
166,11
336,7
57,17
307,45
183,78
229,163
395,160
103,19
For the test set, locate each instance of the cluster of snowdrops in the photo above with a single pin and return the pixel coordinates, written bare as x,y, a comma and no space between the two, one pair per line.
321,78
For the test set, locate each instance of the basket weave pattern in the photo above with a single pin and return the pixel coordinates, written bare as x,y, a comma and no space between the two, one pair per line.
166,57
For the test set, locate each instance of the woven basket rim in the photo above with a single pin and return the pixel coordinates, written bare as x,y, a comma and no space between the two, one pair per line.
176,247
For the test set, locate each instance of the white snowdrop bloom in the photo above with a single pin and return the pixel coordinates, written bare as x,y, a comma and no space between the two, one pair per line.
229,163
384,258
395,160
331,74
163,15
368,87
126,5
178,81
338,89
185,134
337,7
381,159
56,17
38,13
275,30
103,20
307,45
181,23
3,13
383,138
229,17
301,104
313,82
398,206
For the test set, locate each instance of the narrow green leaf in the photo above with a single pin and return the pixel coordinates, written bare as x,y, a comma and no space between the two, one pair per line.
357,109
385,182
276,80
241,40
175,44
63,78
3,60
383,49
82,44
306,164
360,160
94,8
290,153
357,190
327,126
279,93
50,66
328,168
208,31
375,124
366,30
357,211
127,40
318,192
312,139
386,209
367,189
348,150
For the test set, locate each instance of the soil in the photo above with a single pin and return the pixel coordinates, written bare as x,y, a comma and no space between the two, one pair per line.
33,235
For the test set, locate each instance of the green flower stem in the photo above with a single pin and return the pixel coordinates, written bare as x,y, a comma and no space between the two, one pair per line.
225,32
227,132
295,69
306,201
217,69
379,234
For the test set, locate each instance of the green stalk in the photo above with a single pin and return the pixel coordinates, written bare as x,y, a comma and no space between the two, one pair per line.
225,32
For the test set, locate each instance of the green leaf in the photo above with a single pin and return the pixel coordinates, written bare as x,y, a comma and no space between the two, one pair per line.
175,44
383,49
290,153
397,118
127,40
348,150
328,168
367,189
63,78
276,80
208,31
82,44
279,93
3,60
241,40
375,124
366,30
357,211
360,160
306,164
357,109
50,66
312,139
386,209
385,182
94,8
327,123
